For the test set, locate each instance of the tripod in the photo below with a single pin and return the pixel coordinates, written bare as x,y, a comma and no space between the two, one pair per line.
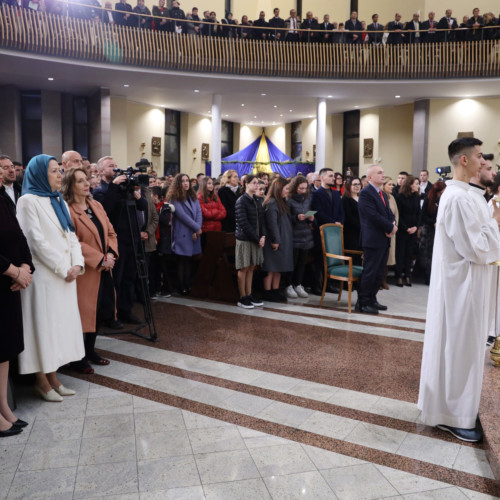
142,273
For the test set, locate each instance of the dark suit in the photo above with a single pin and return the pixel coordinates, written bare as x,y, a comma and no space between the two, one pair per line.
375,33
309,36
413,36
277,22
395,38
353,26
376,219
447,36
475,33
327,36
121,9
430,36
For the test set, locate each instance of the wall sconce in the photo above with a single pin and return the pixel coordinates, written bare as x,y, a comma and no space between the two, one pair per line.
143,148
194,153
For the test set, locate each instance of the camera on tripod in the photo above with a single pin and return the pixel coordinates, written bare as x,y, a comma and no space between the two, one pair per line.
443,173
132,179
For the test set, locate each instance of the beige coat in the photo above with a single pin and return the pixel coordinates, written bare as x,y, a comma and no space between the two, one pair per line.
93,253
391,261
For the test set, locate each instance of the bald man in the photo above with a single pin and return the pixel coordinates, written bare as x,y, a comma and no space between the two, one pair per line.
378,224
71,159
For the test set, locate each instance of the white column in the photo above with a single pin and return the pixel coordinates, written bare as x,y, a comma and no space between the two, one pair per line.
320,133
216,134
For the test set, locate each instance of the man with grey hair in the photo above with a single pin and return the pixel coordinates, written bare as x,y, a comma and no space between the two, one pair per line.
71,159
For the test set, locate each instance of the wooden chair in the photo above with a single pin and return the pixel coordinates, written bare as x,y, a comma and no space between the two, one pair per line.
338,266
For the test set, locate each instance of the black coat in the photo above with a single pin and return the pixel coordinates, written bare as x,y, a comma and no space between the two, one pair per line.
449,35
249,219
228,198
302,229
352,225
409,211
13,250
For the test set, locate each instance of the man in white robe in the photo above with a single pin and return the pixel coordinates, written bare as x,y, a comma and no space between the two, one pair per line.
461,300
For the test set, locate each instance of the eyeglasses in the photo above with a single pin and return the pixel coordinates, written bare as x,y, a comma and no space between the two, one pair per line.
356,184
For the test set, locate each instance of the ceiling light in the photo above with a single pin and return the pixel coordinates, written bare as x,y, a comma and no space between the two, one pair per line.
50,79
281,115
329,96
226,116
196,91
242,105
262,121
397,96
290,110
356,107
255,116
275,106
263,94
126,85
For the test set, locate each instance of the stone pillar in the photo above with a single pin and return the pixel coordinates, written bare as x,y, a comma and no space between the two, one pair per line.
100,124
216,135
51,123
420,136
320,133
10,125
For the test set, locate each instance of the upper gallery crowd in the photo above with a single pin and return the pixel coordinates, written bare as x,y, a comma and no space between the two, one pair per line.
309,29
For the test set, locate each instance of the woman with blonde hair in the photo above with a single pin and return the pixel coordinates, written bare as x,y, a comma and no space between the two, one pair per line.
391,261
228,194
95,288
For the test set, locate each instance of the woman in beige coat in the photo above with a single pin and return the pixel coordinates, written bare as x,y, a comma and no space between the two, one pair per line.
95,289
391,261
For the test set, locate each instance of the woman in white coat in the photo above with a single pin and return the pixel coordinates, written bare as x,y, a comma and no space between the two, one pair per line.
52,327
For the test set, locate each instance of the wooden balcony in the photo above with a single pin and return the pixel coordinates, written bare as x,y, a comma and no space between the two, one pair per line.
67,37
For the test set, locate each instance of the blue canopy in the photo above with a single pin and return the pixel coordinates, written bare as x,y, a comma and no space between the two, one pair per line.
262,156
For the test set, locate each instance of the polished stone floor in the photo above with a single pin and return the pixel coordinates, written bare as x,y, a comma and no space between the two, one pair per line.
287,401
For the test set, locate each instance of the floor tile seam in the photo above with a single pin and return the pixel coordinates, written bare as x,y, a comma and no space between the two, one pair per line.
377,329
368,417
392,460
182,301
348,320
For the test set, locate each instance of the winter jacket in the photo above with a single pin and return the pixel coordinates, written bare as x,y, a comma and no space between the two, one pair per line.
249,219
213,212
302,230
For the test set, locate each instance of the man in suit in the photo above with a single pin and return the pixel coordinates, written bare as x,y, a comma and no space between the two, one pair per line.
401,178
378,224
413,27
475,25
11,186
123,13
396,27
71,159
292,23
425,185
376,30
327,27
447,23
329,210
261,34
353,24
430,27
277,22
310,24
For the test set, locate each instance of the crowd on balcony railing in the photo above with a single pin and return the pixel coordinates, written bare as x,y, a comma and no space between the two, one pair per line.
293,29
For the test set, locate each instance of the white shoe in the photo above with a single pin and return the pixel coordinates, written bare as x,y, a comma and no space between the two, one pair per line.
50,396
299,290
64,391
291,293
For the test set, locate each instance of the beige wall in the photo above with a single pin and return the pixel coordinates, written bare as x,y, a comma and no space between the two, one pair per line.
369,128
279,135
334,159
395,139
450,116
132,124
248,134
252,8
338,9
387,8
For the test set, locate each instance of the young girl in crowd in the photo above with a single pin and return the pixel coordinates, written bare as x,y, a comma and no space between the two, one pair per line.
228,194
250,238
212,209
299,203
352,226
186,228
278,250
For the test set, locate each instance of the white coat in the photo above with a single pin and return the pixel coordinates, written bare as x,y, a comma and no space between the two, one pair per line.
52,328
459,310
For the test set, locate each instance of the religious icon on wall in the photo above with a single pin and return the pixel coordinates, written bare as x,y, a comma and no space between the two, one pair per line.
156,146
368,148
465,134
205,151
314,152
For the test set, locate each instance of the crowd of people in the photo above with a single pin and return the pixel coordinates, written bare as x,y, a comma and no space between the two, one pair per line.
70,233
309,29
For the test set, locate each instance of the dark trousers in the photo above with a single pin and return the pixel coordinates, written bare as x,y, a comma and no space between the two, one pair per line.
405,247
124,275
299,265
374,264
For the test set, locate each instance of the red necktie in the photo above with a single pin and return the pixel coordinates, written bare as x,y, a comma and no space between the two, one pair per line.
382,196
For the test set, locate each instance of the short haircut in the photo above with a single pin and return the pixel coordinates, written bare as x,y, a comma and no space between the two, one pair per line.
404,173
462,146
100,161
17,164
373,17
5,157
156,190
324,170
489,156
424,170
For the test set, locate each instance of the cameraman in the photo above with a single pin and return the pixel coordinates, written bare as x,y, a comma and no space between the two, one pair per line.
112,194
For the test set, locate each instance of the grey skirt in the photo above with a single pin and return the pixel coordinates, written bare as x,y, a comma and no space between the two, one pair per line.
248,254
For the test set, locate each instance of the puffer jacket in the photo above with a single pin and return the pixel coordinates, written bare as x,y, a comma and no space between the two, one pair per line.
302,230
249,219
213,213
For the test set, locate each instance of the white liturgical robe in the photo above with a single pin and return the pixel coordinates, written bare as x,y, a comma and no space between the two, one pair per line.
460,308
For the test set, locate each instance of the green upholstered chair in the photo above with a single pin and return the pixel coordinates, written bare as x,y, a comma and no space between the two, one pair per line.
337,265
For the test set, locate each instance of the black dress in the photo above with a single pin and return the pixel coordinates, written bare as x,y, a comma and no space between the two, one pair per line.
228,198
13,250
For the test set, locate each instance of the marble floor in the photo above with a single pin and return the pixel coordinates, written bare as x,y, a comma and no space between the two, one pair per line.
287,401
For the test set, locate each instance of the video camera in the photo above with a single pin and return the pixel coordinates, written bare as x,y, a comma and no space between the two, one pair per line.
130,172
443,173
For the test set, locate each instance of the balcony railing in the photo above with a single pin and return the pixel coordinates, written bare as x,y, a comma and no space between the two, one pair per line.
81,39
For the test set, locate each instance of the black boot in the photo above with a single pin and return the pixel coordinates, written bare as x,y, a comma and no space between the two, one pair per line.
90,354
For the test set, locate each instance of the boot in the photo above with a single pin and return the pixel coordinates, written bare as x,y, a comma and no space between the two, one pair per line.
90,354
384,285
